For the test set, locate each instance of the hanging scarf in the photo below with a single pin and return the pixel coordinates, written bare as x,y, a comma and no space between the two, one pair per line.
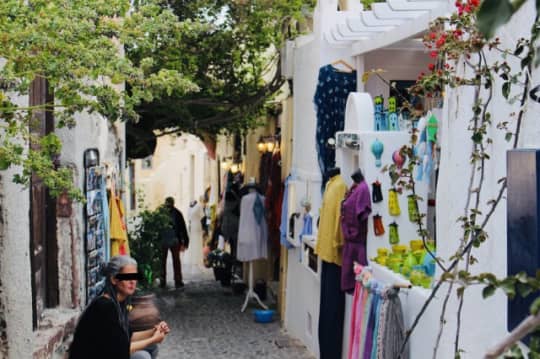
378,226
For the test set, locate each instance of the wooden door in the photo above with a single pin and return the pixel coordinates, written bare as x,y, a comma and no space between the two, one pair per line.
43,244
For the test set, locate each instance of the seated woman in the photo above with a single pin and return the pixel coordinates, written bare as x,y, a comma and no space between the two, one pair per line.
103,329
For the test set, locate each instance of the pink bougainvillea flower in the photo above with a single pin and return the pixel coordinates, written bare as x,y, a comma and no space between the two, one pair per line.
431,67
433,54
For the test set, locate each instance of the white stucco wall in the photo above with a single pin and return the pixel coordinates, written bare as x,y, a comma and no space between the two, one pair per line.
15,275
179,167
489,314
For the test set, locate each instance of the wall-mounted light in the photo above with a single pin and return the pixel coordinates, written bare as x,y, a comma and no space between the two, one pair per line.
235,167
270,145
225,164
261,145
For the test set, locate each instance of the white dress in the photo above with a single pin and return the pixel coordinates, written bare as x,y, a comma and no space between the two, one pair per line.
252,236
194,255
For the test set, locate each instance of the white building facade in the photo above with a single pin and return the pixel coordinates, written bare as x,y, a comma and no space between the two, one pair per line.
388,37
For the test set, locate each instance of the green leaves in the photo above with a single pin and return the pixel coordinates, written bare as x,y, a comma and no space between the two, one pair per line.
494,13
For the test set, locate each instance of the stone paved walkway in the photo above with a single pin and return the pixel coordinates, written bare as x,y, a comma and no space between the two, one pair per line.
206,323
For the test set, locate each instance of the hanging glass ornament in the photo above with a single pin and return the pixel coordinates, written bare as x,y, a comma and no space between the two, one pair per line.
376,192
393,203
412,205
377,149
378,226
393,234
398,159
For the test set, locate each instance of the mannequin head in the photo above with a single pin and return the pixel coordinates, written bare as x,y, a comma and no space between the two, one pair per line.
357,176
333,172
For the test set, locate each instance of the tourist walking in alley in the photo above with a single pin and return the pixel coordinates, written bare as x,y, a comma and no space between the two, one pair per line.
174,239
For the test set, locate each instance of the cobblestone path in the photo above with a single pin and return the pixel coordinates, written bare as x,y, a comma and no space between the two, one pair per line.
206,323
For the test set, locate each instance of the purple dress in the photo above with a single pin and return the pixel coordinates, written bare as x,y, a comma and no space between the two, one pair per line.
355,211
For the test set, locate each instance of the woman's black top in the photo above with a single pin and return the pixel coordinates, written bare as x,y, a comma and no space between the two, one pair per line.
99,333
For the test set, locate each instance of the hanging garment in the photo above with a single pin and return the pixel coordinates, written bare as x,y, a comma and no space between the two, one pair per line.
119,238
284,213
393,334
365,320
377,323
376,192
330,100
193,255
329,236
393,203
393,235
230,217
378,226
355,210
106,218
331,313
359,305
274,197
370,328
252,233
265,168
412,206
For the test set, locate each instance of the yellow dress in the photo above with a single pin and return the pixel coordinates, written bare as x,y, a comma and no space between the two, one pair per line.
329,237
119,237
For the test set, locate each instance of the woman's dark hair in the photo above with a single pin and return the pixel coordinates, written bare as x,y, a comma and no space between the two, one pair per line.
110,270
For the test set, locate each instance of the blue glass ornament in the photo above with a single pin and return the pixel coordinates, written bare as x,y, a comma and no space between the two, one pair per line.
377,149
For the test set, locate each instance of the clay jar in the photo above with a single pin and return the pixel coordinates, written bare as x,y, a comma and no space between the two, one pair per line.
145,314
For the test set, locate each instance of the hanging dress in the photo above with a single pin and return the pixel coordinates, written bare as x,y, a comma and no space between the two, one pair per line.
330,99
253,231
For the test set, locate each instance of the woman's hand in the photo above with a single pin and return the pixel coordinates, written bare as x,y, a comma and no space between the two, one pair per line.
158,336
164,327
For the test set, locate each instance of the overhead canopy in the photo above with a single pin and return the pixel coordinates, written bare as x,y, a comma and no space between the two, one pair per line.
387,24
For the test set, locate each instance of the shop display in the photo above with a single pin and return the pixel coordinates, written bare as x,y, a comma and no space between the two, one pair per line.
393,119
412,206
253,230
377,148
378,226
398,159
380,116
330,236
393,234
376,192
97,239
393,203
414,261
330,100
355,210
328,248
377,324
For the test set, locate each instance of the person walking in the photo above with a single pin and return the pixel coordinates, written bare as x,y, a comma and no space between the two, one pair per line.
175,239
103,329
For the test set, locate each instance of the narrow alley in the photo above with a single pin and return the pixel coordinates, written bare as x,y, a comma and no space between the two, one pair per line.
206,322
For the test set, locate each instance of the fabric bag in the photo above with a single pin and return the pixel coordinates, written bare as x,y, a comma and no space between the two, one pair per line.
169,239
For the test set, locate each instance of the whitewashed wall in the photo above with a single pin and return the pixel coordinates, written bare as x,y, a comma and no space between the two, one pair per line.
491,314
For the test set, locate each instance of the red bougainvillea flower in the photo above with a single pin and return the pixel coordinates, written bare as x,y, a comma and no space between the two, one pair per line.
474,3
441,41
433,54
431,67
467,8
432,36
458,32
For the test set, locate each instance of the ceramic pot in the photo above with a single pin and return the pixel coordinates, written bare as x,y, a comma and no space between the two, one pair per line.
145,313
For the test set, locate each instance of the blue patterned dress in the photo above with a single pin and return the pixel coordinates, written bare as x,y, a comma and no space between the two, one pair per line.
330,100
